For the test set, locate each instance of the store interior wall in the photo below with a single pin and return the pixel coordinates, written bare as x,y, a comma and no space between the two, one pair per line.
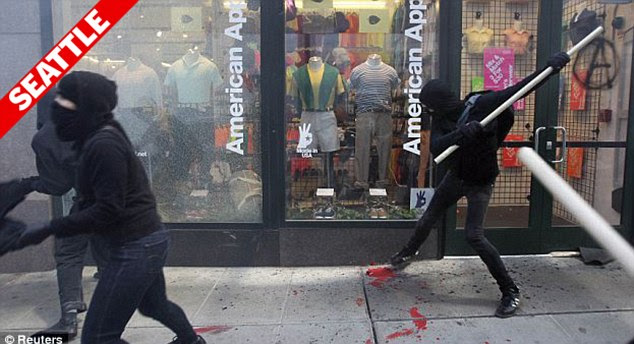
20,48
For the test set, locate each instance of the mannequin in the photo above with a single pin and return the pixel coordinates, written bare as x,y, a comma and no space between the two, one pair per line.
140,100
374,83
190,82
478,36
374,60
315,63
516,37
318,87
191,56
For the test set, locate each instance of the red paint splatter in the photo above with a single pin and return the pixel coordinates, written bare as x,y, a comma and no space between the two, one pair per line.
372,263
213,329
369,341
486,342
398,334
381,275
360,301
419,320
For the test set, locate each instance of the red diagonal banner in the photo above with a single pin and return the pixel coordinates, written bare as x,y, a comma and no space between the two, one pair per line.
57,62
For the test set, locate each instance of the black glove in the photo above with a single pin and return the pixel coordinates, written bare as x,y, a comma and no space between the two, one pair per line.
10,232
471,131
14,192
33,235
558,61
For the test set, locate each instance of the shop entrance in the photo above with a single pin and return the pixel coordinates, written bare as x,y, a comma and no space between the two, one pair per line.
578,123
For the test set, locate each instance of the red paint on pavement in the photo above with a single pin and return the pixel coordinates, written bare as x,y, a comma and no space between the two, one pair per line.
381,275
420,321
213,329
360,301
398,334
369,341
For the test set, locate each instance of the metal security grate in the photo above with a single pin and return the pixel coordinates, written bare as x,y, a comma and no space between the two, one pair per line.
582,125
513,184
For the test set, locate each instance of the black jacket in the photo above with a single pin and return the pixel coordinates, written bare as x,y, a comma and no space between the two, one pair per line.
476,163
114,196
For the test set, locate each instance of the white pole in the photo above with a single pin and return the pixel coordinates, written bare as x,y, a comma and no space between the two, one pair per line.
543,75
589,218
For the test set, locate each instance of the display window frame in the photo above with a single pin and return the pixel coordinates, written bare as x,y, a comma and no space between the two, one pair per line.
273,125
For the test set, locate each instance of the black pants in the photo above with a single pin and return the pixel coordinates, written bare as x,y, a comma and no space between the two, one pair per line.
69,259
450,190
133,279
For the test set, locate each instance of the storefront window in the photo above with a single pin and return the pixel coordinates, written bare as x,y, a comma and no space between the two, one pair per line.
188,76
354,125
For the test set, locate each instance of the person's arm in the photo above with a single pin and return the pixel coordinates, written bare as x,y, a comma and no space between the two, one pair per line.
107,172
441,138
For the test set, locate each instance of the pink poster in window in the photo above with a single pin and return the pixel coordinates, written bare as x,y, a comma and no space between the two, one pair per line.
499,65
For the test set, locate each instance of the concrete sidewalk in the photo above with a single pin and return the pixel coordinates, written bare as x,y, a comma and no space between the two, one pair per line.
447,301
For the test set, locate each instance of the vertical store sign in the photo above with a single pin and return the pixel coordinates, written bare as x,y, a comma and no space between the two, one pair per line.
59,60
414,61
235,90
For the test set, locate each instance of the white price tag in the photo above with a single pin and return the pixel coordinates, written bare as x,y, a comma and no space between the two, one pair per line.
378,192
325,192
199,193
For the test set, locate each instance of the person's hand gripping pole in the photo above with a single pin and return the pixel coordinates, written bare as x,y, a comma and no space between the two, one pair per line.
488,119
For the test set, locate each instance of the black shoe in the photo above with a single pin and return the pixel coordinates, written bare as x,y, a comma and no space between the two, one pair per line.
403,258
66,328
509,303
199,340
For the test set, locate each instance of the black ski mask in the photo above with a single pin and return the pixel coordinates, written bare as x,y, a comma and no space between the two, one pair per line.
95,97
437,96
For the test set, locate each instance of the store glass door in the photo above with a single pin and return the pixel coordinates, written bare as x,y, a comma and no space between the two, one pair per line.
499,48
591,122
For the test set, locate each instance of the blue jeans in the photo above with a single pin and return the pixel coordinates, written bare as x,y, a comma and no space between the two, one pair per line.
133,279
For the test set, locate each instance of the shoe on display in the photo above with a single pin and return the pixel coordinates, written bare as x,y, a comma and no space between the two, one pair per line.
360,185
319,214
199,340
66,326
403,258
374,213
329,213
381,213
509,303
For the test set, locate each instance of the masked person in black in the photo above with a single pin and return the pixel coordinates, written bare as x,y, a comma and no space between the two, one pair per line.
472,170
56,163
116,204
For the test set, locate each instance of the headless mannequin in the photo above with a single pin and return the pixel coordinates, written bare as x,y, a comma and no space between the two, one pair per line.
133,63
374,60
191,57
315,63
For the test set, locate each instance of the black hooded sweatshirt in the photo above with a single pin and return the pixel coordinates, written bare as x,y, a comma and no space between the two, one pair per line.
114,196
476,162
